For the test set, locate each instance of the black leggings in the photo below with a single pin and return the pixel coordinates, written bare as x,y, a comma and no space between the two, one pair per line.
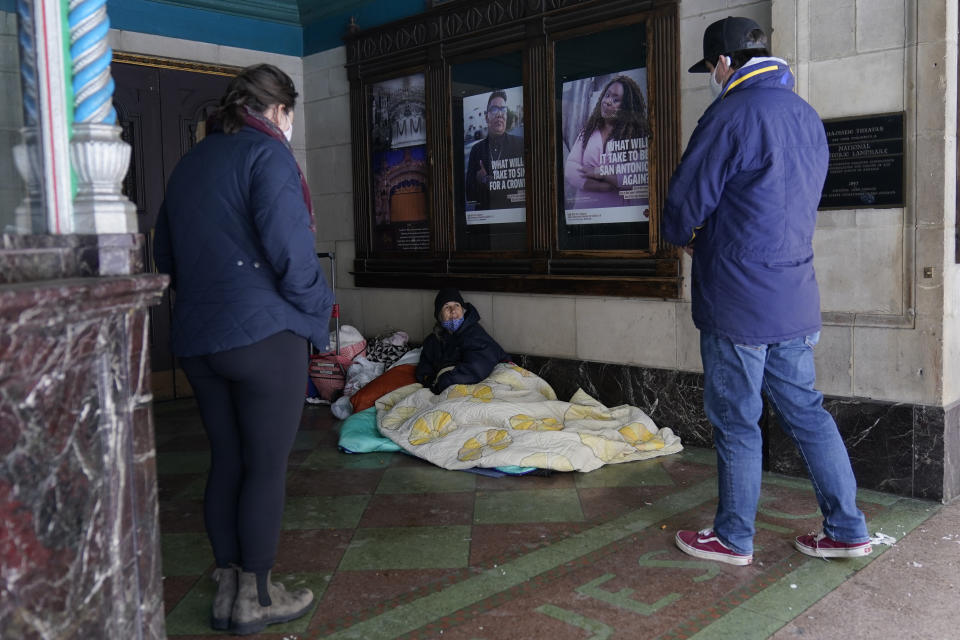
251,401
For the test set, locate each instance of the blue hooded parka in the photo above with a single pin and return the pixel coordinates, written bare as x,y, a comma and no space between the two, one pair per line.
745,196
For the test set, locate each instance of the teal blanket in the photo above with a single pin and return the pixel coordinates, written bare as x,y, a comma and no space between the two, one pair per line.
359,434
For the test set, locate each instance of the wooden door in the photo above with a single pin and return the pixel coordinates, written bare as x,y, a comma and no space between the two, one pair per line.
162,106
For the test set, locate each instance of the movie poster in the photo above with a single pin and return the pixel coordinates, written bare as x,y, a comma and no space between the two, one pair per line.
494,178
398,135
606,132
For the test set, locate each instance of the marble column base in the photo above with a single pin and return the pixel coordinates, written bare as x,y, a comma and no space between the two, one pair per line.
78,491
904,449
34,258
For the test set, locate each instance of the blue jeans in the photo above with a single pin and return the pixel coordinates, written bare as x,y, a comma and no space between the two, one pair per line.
734,375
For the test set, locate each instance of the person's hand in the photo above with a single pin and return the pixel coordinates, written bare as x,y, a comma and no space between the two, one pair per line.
590,173
482,174
441,383
594,180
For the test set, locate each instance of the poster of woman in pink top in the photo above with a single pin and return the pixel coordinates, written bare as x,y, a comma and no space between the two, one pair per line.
606,131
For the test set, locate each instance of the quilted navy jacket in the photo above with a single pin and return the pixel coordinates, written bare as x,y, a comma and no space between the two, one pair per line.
746,195
470,351
234,235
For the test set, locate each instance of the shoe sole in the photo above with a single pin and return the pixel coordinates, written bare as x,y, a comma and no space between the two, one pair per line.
740,561
220,624
259,625
813,552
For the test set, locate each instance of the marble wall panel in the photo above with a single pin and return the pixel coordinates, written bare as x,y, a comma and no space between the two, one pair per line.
390,310
627,331
951,453
346,251
834,361
833,36
895,365
931,78
881,24
76,437
688,339
426,304
482,302
351,309
334,212
879,439
859,261
331,115
931,20
520,323
929,452
876,86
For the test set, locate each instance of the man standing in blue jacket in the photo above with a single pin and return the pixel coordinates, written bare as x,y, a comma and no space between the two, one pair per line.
743,204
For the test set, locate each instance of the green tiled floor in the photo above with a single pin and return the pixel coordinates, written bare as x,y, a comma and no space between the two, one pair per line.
441,547
396,548
548,505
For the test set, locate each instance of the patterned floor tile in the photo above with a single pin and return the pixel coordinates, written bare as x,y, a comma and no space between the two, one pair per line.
324,512
182,516
171,486
331,458
496,543
332,482
607,502
634,474
311,550
425,479
556,480
174,588
185,554
175,462
548,505
408,548
357,595
192,490
414,510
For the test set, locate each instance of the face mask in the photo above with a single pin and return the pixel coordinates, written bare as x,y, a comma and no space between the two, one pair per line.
452,324
288,132
715,87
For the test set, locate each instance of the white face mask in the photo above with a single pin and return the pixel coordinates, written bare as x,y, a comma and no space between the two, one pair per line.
715,87
279,117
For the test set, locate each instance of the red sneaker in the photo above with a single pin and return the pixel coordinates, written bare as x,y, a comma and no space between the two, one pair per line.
704,544
820,545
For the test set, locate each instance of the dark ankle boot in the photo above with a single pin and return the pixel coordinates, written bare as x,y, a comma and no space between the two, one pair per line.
226,579
262,602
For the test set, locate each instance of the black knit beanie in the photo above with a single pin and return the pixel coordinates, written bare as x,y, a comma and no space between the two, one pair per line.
445,295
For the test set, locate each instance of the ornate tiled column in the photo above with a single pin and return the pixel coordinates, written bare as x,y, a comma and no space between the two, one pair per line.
80,541
28,155
98,155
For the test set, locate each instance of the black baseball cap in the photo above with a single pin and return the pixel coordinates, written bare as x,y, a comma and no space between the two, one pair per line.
725,36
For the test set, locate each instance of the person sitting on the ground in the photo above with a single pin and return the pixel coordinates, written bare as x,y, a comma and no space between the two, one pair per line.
459,351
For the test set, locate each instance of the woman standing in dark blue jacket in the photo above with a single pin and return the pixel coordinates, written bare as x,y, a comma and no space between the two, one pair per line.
459,351
235,233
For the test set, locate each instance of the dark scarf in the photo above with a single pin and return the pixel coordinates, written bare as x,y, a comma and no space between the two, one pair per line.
262,124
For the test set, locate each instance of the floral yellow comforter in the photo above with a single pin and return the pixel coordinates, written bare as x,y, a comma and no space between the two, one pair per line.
513,418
